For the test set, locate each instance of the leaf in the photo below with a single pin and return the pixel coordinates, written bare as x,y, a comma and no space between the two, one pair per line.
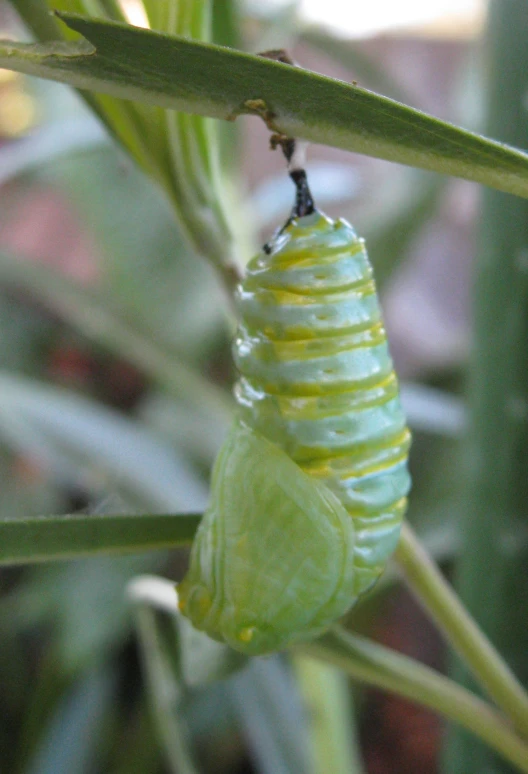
269,708
71,434
407,209
193,77
76,728
431,410
491,574
94,315
179,151
175,658
118,119
197,659
328,698
191,147
165,692
48,538
52,140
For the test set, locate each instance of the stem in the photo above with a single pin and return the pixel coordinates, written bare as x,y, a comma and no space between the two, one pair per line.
333,736
491,576
376,665
65,537
164,690
445,608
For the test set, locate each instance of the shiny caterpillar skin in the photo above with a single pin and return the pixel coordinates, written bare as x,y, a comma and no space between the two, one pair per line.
310,488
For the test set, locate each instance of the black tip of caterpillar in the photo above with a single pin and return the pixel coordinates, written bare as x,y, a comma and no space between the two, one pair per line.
295,153
304,203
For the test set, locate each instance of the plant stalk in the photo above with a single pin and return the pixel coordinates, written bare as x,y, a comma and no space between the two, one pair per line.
376,665
459,628
327,697
491,575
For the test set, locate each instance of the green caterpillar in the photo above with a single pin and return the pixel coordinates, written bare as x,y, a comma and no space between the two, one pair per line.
309,489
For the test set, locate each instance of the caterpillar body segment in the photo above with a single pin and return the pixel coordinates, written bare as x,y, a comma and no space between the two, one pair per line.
317,377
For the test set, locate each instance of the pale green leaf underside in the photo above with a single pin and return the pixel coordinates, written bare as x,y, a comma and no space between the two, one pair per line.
193,77
49,538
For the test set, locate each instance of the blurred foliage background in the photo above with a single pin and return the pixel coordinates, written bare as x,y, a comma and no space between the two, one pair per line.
114,396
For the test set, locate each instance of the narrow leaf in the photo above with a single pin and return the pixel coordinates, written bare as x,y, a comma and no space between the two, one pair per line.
271,713
48,538
491,575
94,314
165,692
67,434
193,77
328,698
176,658
50,141
197,660
76,728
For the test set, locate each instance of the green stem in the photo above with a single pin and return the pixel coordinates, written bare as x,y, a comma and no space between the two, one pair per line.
491,575
327,697
376,665
445,608
52,538
164,691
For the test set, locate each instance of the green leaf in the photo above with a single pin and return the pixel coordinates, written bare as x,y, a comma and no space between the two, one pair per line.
180,152
119,119
70,434
270,710
94,315
175,658
406,211
430,410
76,728
326,692
165,691
491,575
197,660
143,255
48,538
177,73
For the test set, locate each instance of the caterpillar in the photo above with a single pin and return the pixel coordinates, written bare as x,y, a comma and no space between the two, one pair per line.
310,487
